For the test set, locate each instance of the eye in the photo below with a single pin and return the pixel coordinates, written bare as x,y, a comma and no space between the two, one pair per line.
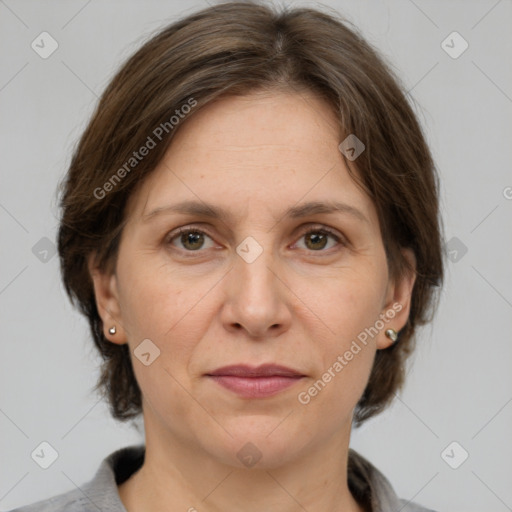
317,239
192,239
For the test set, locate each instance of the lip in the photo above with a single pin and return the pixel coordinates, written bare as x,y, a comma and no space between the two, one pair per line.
255,382
264,370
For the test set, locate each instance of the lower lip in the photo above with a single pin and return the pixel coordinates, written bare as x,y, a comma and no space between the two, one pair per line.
255,387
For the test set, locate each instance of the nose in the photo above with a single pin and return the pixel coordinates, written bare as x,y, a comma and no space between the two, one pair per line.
257,299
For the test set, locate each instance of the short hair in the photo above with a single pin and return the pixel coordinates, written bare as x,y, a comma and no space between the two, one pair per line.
233,49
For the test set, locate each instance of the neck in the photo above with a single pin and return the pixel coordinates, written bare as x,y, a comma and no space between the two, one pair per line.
178,476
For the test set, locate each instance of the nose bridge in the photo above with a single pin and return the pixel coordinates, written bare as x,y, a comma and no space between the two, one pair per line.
253,267
255,298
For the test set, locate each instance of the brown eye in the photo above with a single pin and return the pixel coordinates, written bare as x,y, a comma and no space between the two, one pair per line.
318,239
190,239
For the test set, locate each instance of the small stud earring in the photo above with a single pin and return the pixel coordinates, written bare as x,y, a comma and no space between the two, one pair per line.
392,334
112,330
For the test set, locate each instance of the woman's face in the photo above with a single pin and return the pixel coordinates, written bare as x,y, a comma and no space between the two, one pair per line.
252,287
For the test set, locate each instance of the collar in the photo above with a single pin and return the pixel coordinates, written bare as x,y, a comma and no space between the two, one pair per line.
368,485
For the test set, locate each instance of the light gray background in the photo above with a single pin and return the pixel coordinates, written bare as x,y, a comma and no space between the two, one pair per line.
460,385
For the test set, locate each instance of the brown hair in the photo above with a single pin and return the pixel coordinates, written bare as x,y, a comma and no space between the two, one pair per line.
236,48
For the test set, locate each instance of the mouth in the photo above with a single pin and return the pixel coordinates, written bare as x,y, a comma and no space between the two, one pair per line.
255,382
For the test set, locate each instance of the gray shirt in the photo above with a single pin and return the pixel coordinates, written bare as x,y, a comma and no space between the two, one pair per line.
368,485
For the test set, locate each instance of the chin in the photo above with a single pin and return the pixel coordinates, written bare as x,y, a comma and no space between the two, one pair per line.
257,443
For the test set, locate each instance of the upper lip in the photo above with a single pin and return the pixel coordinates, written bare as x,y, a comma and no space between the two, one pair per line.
264,370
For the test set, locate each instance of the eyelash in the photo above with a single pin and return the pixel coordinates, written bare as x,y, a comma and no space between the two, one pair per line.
315,229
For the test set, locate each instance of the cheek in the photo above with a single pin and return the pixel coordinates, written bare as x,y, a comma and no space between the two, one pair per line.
347,307
344,360
348,302
169,309
160,310
154,302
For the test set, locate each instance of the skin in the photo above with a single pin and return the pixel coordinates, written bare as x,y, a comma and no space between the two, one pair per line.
301,303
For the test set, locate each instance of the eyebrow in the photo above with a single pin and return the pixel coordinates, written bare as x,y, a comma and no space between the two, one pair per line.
202,209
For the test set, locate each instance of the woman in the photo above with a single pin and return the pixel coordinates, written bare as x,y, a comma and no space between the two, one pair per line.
250,224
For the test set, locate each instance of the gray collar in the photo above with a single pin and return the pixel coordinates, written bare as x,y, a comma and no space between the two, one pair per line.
366,482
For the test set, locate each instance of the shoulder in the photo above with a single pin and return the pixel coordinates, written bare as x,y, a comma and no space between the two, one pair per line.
409,506
373,488
100,493
71,501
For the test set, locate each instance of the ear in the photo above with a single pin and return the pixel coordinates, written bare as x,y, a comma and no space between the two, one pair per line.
107,301
398,301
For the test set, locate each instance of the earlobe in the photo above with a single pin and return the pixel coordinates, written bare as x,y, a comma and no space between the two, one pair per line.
107,302
398,303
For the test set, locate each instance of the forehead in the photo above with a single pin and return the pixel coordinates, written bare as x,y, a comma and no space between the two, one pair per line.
287,118
261,148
